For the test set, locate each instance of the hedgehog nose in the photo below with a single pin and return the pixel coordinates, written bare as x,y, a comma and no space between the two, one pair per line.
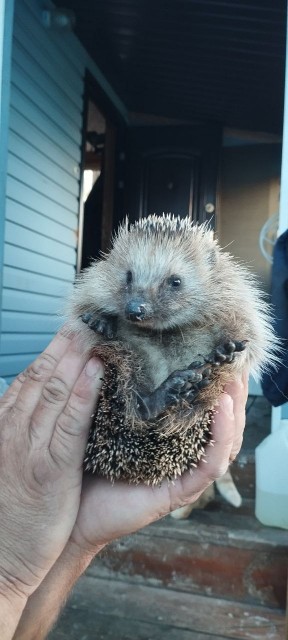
135,310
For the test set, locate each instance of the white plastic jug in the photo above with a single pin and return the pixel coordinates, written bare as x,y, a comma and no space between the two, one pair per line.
272,479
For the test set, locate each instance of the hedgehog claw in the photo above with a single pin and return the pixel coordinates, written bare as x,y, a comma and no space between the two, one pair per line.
225,352
105,325
186,385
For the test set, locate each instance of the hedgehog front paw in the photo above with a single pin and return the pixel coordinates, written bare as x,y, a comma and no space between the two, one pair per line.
225,352
185,385
179,386
105,325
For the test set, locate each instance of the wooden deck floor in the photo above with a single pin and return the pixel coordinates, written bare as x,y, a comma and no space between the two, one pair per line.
102,609
218,576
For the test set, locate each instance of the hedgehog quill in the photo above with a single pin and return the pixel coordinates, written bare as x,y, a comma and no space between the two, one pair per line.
174,318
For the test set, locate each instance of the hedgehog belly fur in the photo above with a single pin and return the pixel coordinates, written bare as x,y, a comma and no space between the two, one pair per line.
119,450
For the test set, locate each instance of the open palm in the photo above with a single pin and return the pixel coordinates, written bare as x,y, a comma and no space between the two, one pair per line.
108,511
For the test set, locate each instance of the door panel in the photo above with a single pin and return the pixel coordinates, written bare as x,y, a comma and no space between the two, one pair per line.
169,184
172,169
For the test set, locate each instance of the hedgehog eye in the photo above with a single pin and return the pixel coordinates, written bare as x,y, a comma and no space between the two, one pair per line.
174,281
129,277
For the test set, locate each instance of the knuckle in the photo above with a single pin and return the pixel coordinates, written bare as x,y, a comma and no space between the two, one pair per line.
21,377
42,474
55,391
60,449
40,368
218,470
67,424
68,428
235,449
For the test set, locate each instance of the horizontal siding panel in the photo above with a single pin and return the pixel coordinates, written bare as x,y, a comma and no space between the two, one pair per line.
47,105
35,262
27,131
27,68
35,283
24,343
64,76
37,160
27,239
55,43
35,221
28,197
16,322
68,46
42,194
41,183
32,112
9,379
12,365
29,302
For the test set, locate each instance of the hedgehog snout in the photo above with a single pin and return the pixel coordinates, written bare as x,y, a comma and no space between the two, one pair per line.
136,310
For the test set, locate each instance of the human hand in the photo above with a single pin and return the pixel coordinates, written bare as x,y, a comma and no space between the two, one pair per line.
44,421
110,511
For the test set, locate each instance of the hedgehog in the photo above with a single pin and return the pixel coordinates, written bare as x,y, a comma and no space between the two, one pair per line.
174,318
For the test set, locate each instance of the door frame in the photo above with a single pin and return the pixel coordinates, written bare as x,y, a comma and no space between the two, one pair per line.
6,37
94,91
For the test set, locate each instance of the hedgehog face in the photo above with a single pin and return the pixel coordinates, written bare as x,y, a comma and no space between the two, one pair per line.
150,305
159,274
158,287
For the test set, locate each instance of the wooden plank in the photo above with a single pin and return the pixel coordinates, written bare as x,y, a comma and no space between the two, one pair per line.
35,262
180,610
35,283
226,530
80,625
23,105
256,575
45,102
39,223
35,158
13,343
33,43
14,300
27,239
31,199
27,131
41,183
14,321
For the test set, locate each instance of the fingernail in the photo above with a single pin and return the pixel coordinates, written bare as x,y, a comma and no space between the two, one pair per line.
93,367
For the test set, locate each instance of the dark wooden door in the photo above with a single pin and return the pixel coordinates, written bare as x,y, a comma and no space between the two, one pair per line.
169,169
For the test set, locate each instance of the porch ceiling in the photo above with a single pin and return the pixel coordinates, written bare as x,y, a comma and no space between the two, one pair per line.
221,60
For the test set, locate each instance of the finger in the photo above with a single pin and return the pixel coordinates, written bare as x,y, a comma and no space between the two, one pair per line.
9,397
56,392
191,485
238,390
33,379
70,435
